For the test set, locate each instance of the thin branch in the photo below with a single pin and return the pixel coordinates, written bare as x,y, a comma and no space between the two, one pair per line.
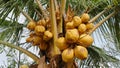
41,8
53,25
38,13
34,57
26,15
62,11
101,22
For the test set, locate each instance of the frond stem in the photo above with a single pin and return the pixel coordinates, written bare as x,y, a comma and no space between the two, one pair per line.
26,15
102,21
97,16
33,56
38,13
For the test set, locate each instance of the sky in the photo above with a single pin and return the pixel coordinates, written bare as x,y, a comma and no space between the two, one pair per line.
3,58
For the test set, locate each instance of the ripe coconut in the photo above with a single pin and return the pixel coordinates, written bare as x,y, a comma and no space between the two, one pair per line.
89,26
85,17
69,25
39,30
85,40
29,39
42,22
81,52
47,35
76,21
82,28
36,40
43,45
31,25
24,66
72,35
61,43
68,55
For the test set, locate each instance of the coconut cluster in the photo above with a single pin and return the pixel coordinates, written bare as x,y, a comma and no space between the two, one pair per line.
40,34
72,44
76,39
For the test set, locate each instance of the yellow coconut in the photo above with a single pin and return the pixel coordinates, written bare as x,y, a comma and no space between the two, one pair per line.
24,66
61,43
68,55
82,28
81,52
31,25
69,25
39,30
89,26
85,17
76,21
36,40
42,22
72,35
85,40
47,35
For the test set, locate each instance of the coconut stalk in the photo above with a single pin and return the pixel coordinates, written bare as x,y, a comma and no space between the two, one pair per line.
33,56
56,5
62,11
102,21
54,26
41,8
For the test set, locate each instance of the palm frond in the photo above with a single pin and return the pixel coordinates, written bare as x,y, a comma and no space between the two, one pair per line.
8,29
107,37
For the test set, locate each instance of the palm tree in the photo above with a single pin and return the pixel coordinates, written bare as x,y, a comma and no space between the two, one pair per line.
104,52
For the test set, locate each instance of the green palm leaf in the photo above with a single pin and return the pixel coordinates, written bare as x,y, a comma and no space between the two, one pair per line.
107,36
